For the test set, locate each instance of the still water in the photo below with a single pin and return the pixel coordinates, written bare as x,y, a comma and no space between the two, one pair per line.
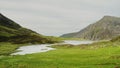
45,47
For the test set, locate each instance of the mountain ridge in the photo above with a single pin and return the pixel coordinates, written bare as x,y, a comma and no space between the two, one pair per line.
106,28
4,21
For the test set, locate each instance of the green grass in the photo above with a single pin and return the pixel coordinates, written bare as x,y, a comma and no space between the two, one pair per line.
97,55
7,48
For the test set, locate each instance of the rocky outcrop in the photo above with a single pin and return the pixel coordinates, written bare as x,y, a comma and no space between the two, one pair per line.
106,28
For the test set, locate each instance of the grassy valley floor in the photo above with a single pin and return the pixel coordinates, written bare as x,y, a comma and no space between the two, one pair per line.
97,55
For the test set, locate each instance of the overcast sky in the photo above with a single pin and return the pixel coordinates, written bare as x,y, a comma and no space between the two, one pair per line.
57,17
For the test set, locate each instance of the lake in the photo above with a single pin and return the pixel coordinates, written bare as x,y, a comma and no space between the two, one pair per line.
45,47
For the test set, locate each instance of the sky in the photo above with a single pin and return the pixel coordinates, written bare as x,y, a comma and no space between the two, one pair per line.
57,17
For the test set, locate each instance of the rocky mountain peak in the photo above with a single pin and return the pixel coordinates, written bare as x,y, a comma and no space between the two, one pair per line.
106,28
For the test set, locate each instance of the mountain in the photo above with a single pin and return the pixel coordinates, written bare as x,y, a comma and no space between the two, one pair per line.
106,28
4,21
10,31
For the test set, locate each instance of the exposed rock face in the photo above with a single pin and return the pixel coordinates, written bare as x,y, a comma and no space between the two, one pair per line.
106,28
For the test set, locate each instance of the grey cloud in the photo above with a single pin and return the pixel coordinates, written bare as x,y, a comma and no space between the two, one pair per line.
56,17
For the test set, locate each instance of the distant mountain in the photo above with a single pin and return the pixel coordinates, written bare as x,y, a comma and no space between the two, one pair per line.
13,32
106,28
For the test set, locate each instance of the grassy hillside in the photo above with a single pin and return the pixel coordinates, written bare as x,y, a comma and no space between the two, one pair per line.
23,35
10,31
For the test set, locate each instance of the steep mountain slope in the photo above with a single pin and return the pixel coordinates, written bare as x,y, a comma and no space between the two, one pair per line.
106,28
13,32
4,21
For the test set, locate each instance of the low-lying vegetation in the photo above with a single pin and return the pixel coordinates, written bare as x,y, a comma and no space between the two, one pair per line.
7,48
96,55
